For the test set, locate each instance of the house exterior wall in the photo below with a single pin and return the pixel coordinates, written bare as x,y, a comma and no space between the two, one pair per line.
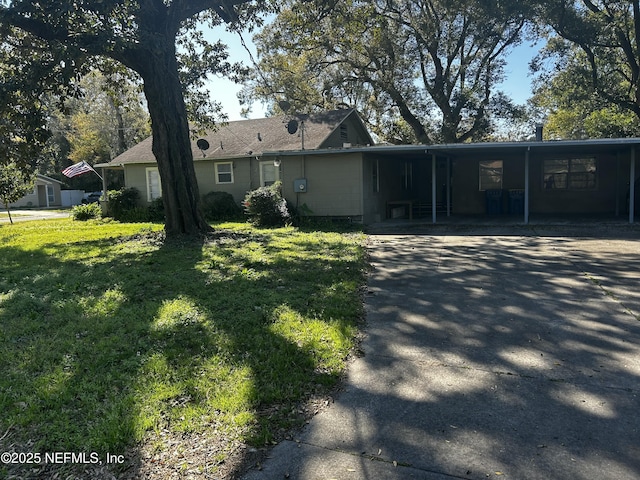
467,198
38,197
334,184
206,175
29,200
601,199
135,177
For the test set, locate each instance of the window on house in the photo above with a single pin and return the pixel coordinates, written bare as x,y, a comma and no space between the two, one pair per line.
154,188
269,174
490,174
569,174
376,176
224,172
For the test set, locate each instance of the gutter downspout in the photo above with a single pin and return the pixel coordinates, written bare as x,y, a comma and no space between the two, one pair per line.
448,186
617,184
433,187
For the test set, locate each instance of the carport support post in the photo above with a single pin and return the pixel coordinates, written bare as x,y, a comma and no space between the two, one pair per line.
448,186
433,187
632,181
526,186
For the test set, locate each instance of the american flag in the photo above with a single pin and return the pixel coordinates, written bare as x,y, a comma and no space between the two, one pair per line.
77,169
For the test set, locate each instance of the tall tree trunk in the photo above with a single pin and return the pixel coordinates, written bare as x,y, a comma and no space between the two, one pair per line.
171,143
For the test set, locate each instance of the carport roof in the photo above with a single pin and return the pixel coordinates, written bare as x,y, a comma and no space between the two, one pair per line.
464,149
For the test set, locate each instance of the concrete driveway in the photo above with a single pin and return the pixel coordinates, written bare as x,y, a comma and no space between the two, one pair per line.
22,215
490,353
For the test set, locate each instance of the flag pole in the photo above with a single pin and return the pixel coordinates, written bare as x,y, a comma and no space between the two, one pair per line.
94,171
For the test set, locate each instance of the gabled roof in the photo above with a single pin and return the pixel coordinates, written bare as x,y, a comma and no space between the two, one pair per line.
245,138
47,180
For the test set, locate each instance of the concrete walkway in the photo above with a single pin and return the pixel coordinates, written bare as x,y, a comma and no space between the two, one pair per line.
490,353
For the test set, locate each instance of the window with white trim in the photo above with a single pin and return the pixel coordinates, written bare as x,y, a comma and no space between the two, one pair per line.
154,187
490,175
224,172
269,174
569,174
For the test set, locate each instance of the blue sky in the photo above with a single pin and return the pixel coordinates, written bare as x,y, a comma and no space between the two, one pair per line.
517,84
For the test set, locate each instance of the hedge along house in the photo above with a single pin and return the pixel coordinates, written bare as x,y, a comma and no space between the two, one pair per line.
231,159
568,178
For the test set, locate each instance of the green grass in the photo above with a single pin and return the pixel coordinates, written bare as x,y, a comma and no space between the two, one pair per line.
107,333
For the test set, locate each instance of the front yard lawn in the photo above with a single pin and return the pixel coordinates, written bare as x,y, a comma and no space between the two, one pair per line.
112,341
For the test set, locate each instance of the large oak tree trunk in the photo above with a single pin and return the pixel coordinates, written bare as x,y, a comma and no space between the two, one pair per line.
171,144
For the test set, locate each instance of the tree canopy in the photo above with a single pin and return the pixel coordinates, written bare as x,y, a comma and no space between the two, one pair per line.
597,43
49,45
434,64
573,107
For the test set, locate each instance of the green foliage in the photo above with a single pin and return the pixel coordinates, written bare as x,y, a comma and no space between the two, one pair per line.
89,211
573,107
110,333
266,207
218,206
124,206
597,43
436,64
122,201
48,45
14,183
156,210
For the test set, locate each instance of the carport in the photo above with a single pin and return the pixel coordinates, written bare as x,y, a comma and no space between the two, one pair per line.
545,177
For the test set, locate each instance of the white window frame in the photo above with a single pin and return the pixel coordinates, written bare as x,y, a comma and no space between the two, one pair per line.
149,171
268,164
217,166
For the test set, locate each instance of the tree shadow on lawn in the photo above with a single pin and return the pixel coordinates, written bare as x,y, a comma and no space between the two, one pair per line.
499,355
178,339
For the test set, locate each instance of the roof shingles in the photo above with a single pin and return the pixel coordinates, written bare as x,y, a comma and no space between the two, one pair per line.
251,137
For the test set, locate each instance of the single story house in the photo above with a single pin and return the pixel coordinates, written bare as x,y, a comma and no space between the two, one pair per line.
328,164
46,193
232,159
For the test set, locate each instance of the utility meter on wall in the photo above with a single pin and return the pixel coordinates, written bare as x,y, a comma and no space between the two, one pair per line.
300,185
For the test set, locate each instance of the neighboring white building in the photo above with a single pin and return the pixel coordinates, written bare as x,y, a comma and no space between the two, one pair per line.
46,193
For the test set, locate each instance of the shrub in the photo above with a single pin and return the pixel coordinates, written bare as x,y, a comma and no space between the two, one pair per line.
135,215
156,210
220,206
86,212
266,207
123,200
